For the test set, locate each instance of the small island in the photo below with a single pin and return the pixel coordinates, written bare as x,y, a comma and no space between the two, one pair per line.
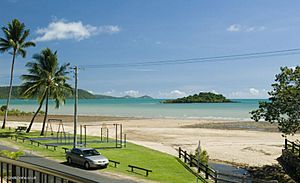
202,97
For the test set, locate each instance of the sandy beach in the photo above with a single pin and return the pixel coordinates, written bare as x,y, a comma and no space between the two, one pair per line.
248,147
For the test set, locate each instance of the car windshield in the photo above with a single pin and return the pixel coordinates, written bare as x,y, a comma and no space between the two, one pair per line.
90,152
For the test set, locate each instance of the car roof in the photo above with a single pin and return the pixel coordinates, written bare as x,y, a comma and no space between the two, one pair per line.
84,148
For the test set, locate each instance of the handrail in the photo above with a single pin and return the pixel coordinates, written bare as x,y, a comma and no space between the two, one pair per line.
46,170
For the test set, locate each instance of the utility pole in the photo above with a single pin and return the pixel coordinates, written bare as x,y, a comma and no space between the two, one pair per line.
75,107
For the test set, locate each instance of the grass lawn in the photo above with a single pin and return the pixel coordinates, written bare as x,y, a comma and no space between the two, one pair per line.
165,167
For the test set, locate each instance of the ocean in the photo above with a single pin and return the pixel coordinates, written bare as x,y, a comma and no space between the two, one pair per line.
148,108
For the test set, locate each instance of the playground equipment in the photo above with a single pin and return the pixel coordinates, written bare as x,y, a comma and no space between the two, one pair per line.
119,139
60,133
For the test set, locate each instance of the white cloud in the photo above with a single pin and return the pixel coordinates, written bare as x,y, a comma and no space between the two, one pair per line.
133,93
61,29
249,93
173,94
243,28
254,91
234,28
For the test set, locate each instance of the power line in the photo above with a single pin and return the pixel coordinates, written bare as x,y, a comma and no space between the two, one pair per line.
254,55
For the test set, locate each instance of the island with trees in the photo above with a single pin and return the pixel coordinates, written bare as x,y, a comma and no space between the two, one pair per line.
202,97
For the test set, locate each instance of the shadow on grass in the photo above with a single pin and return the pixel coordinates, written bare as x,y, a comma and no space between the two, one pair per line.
137,173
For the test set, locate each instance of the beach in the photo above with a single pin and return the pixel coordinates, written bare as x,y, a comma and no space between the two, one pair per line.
234,144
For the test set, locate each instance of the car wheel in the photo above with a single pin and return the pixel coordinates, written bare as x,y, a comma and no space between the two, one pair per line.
69,160
86,165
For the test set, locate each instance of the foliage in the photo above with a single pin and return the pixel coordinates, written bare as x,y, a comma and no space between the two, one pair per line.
202,97
283,106
14,40
46,80
16,112
204,157
11,155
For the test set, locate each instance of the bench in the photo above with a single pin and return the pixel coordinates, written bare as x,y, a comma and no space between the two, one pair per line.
22,138
34,141
115,162
64,148
51,145
132,167
20,129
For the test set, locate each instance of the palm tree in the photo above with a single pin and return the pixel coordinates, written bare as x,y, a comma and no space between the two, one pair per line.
14,39
46,80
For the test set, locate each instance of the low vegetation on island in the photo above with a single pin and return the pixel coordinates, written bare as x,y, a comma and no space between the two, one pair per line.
202,97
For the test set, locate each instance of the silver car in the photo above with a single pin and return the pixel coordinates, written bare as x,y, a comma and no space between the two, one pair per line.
88,157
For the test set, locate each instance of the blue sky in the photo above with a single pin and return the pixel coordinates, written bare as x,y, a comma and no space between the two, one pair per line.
104,32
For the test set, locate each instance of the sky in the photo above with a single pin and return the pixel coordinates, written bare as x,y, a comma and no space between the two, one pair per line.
112,32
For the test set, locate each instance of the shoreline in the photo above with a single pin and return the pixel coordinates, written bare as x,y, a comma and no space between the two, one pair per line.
239,146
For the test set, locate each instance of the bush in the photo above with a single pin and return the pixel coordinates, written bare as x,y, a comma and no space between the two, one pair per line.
204,157
11,155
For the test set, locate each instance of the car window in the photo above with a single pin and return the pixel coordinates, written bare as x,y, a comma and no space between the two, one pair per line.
90,152
76,151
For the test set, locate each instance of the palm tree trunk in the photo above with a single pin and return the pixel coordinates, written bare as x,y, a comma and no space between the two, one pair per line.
10,88
35,114
46,112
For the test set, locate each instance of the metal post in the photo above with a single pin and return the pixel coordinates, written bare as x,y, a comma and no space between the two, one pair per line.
101,134
84,135
116,135
106,134
121,129
125,140
80,134
75,107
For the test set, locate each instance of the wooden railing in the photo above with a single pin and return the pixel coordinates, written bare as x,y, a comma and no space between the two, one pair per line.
202,168
213,175
292,146
17,171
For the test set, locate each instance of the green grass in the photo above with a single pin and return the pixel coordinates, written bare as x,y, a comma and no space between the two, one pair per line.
165,167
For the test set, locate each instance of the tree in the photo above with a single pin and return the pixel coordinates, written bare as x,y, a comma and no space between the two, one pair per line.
283,106
14,39
45,80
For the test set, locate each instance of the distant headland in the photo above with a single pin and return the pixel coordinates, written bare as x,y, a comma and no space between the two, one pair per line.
82,94
202,97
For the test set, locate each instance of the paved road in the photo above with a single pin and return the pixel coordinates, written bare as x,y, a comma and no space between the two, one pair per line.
68,169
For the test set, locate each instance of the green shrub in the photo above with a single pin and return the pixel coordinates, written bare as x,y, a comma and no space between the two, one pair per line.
11,155
204,157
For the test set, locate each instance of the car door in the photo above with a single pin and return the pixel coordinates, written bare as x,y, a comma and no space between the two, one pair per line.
75,156
81,158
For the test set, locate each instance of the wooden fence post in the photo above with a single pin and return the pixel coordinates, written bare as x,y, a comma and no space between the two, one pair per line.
216,176
285,144
179,150
293,147
191,160
206,171
185,156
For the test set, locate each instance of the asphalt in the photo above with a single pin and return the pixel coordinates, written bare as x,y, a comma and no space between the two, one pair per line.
94,175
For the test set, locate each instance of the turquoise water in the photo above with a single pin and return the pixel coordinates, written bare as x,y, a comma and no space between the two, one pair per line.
150,108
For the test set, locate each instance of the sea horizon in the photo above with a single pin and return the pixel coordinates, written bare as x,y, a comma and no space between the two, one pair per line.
147,108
